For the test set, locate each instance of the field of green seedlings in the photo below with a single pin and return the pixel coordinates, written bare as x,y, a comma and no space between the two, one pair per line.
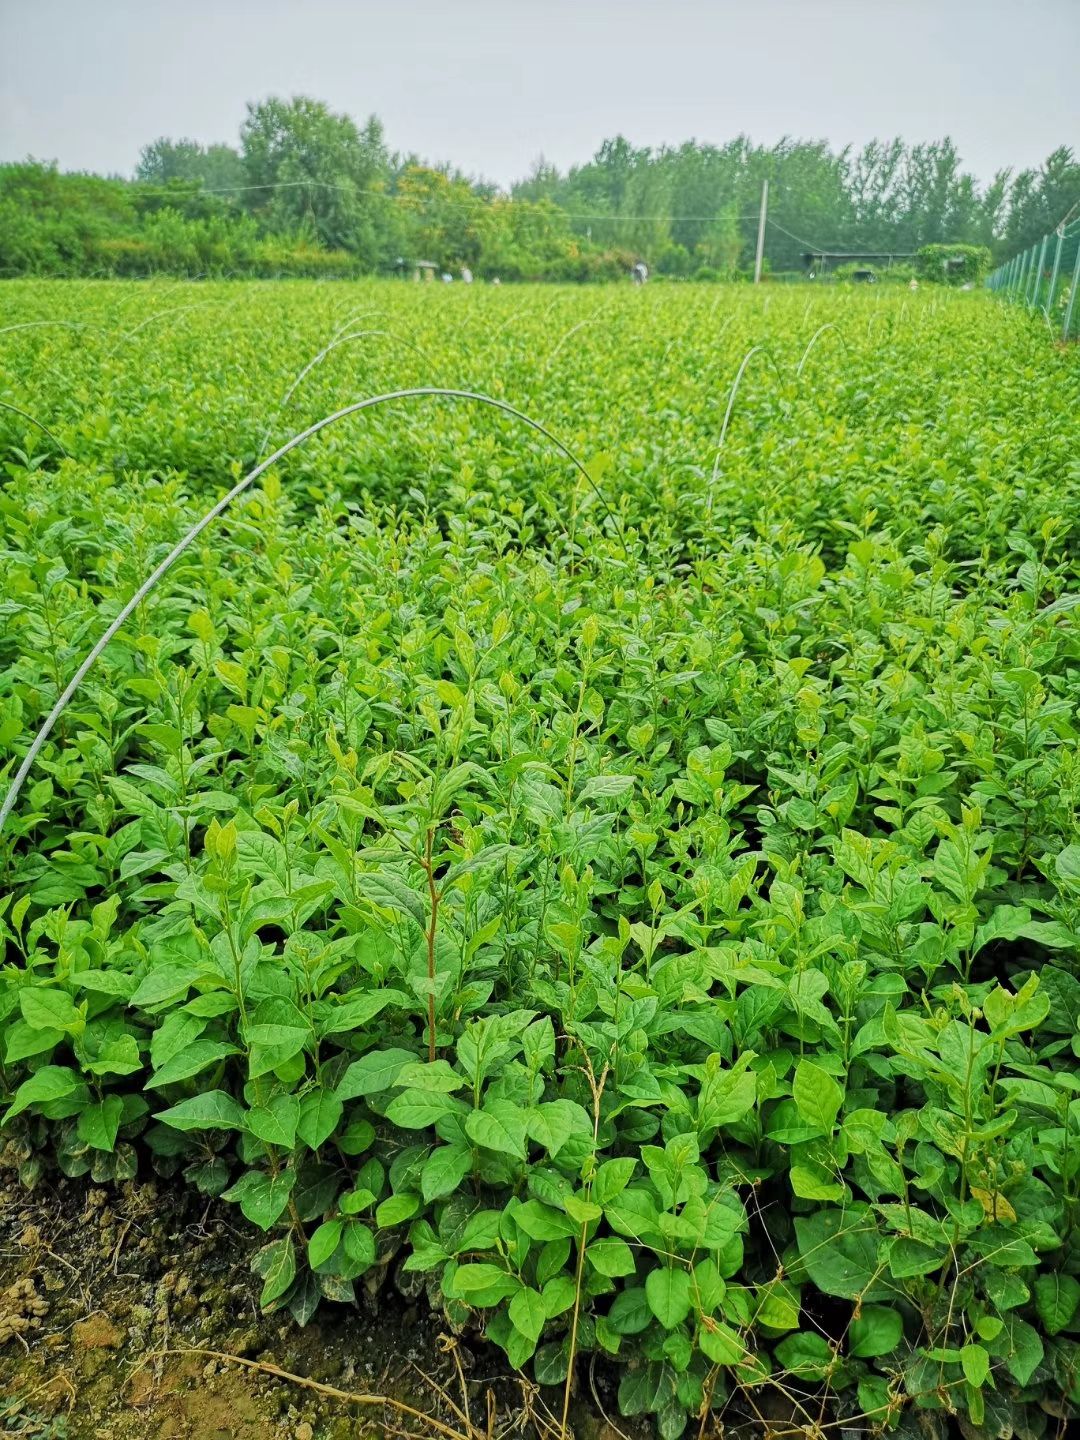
626,888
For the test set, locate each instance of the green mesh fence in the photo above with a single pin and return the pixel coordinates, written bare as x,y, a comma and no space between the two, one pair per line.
1046,277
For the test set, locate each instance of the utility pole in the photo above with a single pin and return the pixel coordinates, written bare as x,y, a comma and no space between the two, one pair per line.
761,232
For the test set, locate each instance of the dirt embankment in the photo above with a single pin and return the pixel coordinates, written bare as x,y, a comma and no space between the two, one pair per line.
107,1296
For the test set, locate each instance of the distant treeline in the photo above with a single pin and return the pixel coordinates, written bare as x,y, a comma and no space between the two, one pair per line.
309,192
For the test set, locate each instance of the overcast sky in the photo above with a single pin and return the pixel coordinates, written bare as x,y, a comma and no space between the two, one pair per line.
492,84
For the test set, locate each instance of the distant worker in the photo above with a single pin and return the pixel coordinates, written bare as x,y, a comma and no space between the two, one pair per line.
914,285
466,275
495,280
640,273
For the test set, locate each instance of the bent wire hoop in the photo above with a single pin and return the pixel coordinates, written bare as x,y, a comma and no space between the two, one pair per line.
223,504
5,405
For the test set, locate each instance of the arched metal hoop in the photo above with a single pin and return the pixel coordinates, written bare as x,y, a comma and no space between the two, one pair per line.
4,404
223,504
821,330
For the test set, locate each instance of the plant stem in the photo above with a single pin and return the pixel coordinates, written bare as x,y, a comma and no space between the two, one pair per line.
433,897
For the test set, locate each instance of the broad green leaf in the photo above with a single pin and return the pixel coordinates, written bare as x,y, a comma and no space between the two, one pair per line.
528,1313
444,1170
839,1249
875,1331
817,1095
323,1242
1057,1298
417,1109
275,1122
199,1055
321,1111
212,1110
611,1257
50,1010
98,1124
278,1272
498,1126
51,1082
392,893
669,1295
373,1073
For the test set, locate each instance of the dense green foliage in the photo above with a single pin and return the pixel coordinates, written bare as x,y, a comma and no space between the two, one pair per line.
643,914
953,264
310,192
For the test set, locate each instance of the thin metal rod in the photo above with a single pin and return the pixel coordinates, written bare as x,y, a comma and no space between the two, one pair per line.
813,341
315,359
759,255
223,504
1066,327
43,428
1033,298
754,349
40,324
1057,267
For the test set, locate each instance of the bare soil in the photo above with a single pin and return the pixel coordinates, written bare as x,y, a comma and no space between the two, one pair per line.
109,1294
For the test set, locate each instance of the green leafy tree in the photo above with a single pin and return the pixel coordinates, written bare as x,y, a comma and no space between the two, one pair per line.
318,169
217,167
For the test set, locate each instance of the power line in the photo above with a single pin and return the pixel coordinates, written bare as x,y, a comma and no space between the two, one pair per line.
398,195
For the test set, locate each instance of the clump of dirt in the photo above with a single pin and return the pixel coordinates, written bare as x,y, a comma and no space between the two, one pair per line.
125,1310
21,1309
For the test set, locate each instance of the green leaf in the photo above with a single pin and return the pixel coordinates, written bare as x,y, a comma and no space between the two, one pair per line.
116,1057
612,1178
669,1295
812,1182
212,1110
646,1389
51,1082
611,1257
191,1060
807,1356
975,1363
876,1331
817,1096
630,1311
436,1076
542,1222
372,1073
1022,1347
50,1010
279,1270
356,1011
552,1124
262,1197
1057,1297
98,1124
444,1170
271,1046
483,1284
321,1111
720,1343
323,1242
606,787
391,893
275,1122
499,1126
164,985
528,1313
396,1209
727,1096
23,1041
417,1109
1067,866
839,1250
